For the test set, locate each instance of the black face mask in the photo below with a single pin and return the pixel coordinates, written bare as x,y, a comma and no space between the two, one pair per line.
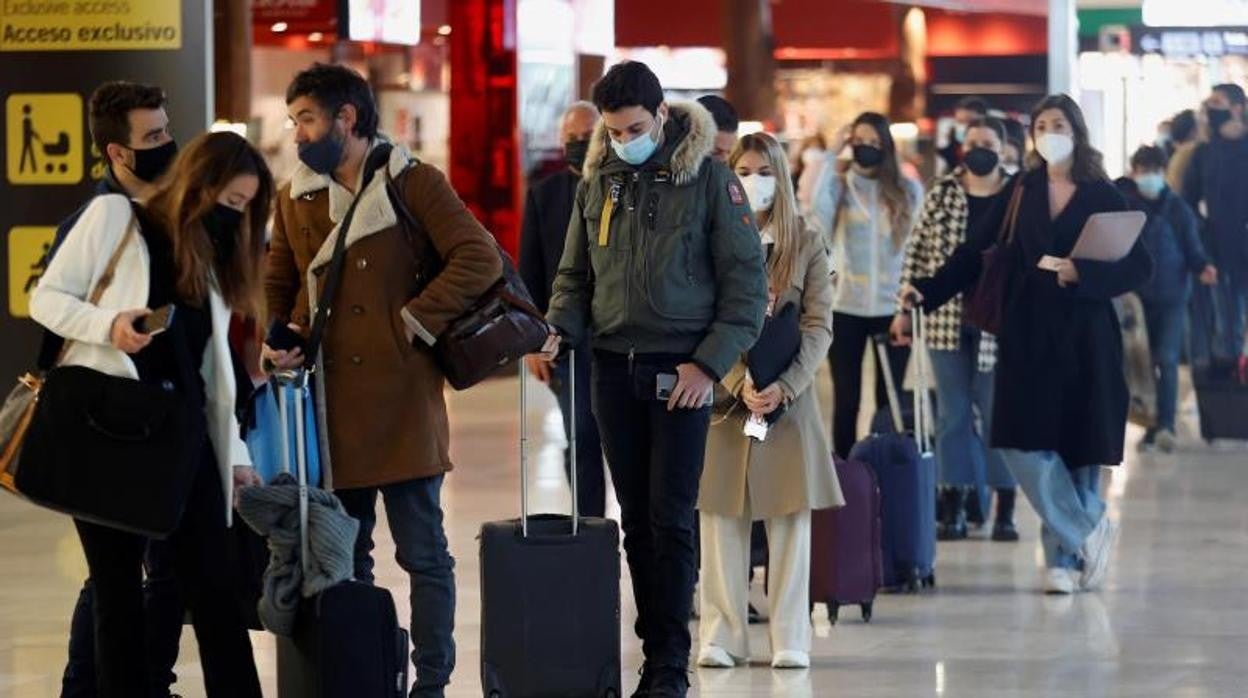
1217,119
574,153
868,156
981,161
222,224
323,156
151,163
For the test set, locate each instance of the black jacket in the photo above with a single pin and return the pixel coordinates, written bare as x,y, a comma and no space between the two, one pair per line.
547,210
1059,380
1216,176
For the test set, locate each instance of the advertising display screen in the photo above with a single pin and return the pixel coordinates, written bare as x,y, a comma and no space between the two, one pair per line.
384,21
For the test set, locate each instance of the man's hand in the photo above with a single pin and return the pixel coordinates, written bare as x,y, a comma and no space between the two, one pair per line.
539,367
693,388
123,335
550,350
763,402
273,360
1209,275
900,330
1067,272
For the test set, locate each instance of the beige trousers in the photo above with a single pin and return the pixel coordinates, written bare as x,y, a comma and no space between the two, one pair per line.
724,596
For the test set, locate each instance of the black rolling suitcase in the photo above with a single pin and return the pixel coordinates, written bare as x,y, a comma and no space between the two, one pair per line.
347,641
550,598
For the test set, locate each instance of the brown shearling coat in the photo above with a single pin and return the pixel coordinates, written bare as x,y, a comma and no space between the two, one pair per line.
382,413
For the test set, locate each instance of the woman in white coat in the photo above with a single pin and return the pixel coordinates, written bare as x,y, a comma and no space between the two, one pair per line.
782,478
195,245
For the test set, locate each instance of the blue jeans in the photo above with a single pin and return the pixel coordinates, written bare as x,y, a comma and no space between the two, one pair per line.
591,478
1068,501
414,512
1165,322
656,461
961,389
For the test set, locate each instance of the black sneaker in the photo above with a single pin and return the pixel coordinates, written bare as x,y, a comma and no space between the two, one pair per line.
647,678
669,682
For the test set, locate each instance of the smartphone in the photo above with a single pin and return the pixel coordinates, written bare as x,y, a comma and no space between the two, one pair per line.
665,383
156,322
282,338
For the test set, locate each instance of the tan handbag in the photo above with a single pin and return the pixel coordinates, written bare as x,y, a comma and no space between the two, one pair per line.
19,407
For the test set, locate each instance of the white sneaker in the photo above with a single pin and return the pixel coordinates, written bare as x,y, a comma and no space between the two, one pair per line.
712,657
1059,580
790,659
1096,551
1166,441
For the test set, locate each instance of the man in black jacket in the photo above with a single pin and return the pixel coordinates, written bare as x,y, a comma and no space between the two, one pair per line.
130,128
547,210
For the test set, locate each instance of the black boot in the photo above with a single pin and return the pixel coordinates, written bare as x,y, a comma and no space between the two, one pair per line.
974,508
953,506
1003,529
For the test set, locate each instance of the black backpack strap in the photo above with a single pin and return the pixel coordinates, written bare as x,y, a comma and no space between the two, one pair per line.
379,157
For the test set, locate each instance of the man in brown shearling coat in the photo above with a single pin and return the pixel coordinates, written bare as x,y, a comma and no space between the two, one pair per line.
383,421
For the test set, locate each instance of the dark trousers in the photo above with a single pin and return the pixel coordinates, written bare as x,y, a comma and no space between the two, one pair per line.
115,558
591,479
414,512
162,620
1165,321
655,458
851,338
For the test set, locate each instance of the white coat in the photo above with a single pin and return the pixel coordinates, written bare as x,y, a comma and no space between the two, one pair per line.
59,304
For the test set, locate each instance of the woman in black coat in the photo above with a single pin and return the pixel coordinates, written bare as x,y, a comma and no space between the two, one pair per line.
1061,405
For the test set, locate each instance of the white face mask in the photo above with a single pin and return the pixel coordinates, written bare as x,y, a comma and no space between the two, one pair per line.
760,190
1055,148
811,156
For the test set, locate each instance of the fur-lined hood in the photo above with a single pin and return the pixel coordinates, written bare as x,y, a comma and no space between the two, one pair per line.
688,121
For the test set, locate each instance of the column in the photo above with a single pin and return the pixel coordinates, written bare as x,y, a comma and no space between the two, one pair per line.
1063,47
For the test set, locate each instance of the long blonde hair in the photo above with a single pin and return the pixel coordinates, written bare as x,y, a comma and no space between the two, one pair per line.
783,218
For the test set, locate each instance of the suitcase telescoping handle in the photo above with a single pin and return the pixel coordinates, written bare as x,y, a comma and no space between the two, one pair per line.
297,379
524,448
922,412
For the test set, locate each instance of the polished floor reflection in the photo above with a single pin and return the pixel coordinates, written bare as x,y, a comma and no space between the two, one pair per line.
1172,621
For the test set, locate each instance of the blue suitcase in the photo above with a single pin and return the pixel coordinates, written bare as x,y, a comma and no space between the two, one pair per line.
905,468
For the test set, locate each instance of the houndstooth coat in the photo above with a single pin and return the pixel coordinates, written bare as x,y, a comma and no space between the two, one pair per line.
940,229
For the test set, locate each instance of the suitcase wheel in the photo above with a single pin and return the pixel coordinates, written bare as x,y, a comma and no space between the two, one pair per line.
834,610
867,609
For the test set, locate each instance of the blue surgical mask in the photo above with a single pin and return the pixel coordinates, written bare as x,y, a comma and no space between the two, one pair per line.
639,149
1150,184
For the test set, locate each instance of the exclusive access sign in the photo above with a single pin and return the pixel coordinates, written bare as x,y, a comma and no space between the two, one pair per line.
90,25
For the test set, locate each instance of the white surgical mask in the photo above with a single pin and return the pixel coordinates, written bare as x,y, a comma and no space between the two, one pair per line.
1150,184
1055,148
760,190
812,156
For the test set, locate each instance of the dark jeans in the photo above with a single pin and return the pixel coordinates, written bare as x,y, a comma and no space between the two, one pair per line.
591,479
655,458
852,335
162,618
1165,321
414,513
1218,318
115,559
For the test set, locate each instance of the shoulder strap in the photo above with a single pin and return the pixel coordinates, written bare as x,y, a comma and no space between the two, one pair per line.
1011,212
379,157
106,278
427,258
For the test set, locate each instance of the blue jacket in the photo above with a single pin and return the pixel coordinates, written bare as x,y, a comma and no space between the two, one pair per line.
1171,237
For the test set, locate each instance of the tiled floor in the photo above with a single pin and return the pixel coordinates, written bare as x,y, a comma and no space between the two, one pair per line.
1172,622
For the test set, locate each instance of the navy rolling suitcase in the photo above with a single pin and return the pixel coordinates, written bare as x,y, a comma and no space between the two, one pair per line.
550,598
347,641
905,468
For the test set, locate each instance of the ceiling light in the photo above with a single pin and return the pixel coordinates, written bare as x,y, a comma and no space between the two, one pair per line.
315,36
444,30
280,27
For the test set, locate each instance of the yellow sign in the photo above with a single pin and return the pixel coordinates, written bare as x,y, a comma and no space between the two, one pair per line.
90,25
28,259
44,138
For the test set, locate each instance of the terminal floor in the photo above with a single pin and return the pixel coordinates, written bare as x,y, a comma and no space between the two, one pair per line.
1172,621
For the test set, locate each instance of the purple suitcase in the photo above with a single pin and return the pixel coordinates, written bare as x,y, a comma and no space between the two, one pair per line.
845,561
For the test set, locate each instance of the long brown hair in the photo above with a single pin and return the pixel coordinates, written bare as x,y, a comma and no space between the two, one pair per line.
1088,164
784,217
188,192
892,189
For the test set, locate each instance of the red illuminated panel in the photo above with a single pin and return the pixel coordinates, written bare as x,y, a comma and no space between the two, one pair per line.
966,34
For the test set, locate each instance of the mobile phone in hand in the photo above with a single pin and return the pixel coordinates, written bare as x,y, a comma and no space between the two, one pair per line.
156,322
282,338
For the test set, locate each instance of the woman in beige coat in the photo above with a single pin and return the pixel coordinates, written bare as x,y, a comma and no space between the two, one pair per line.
781,478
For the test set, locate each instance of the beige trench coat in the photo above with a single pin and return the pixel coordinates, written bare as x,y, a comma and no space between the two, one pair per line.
792,470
